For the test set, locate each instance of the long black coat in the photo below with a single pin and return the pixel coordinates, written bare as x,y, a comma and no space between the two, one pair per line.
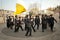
37,20
52,19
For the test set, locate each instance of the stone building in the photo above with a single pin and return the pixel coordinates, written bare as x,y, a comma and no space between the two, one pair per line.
4,14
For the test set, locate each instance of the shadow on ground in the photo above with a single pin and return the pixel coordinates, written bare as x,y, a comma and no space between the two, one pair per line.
21,34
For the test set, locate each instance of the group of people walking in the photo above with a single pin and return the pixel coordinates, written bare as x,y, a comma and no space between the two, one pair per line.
30,23
48,20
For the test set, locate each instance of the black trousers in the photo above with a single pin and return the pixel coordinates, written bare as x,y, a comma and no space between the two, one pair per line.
25,26
11,25
51,26
33,28
28,31
17,28
20,27
37,26
43,28
8,25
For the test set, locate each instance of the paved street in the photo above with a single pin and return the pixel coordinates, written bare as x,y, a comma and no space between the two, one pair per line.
8,34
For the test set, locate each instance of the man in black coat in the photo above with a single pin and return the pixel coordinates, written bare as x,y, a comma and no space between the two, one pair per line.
8,22
15,22
32,23
28,30
12,22
52,19
25,21
44,23
19,24
37,22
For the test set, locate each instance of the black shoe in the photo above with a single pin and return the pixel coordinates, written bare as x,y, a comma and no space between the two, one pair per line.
22,30
30,35
52,31
42,31
34,31
25,35
37,28
15,31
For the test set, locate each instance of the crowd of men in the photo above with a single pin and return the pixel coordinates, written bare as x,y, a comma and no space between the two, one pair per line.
30,23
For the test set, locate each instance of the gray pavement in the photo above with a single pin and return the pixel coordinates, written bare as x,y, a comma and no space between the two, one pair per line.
8,34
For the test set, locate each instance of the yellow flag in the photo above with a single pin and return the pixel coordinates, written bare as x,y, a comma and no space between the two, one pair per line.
19,9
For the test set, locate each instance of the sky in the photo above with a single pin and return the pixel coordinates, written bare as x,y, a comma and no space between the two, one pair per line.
50,3
0,4
8,4
11,4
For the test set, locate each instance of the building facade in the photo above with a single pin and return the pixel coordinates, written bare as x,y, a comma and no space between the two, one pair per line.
4,14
